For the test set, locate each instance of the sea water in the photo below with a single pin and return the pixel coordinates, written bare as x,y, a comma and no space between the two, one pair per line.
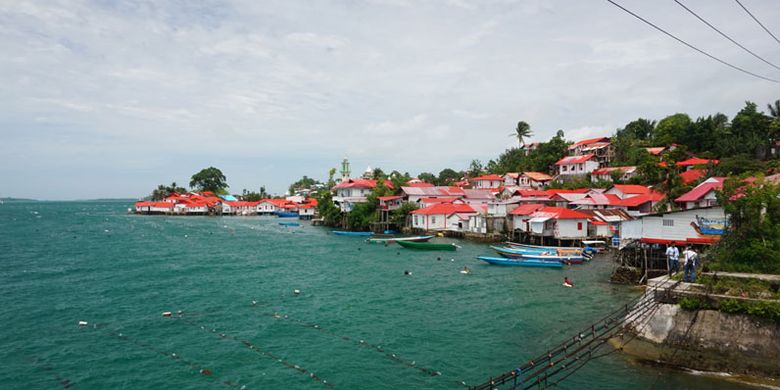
357,321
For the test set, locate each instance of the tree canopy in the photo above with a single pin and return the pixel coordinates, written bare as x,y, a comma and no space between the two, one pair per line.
209,179
162,191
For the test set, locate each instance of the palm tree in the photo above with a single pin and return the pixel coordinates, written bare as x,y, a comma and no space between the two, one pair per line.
523,130
774,109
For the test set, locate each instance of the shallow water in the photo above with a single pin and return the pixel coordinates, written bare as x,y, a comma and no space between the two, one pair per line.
358,322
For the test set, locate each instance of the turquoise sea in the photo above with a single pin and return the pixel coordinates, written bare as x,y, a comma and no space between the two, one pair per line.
358,322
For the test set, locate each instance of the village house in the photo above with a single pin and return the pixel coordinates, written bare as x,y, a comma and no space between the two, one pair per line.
702,195
624,191
443,216
521,216
605,174
596,201
191,208
414,194
571,166
641,204
534,179
390,203
692,175
270,206
559,223
143,207
306,210
600,147
352,191
487,181
527,148
478,197
239,207
694,162
694,226
511,179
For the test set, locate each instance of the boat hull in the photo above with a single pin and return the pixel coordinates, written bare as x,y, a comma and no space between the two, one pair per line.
289,224
394,239
514,253
426,246
520,262
352,234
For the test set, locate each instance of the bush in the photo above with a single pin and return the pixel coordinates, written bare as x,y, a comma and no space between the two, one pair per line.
690,303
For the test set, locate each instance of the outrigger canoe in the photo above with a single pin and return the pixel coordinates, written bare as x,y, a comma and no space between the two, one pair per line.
427,246
520,262
388,240
352,234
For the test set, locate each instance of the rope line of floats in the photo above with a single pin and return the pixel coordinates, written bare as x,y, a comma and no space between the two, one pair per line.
259,350
204,371
39,364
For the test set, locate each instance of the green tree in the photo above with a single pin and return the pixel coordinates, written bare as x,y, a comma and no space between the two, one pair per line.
331,181
304,183
378,174
672,129
511,160
751,131
752,241
162,191
428,177
398,216
251,196
475,168
330,214
448,176
209,179
774,109
522,131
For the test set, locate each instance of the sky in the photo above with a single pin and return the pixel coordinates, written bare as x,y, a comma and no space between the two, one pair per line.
108,99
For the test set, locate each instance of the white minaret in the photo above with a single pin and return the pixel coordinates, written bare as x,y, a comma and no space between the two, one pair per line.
345,170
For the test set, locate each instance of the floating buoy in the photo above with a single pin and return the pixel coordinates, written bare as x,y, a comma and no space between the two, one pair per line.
166,314
408,273
83,323
205,371
254,303
296,291
179,312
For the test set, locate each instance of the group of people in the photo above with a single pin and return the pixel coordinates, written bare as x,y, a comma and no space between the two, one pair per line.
690,260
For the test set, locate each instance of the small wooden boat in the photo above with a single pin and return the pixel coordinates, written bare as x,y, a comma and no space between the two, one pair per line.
352,234
389,240
566,248
520,262
521,253
289,224
427,246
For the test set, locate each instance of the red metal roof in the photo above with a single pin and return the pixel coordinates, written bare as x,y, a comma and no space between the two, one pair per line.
638,200
656,150
526,209
589,141
562,191
419,184
438,200
492,177
696,161
392,197
574,159
608,170
694,195
631,188
692,175
445,208
361,183
559,213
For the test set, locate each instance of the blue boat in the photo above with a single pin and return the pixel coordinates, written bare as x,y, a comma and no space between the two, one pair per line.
289,224
391,232
286,214
352,234
530,254
520,262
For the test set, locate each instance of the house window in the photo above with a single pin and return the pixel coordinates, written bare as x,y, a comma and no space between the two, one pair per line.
416,222
579,225
433,220
563,168
668,222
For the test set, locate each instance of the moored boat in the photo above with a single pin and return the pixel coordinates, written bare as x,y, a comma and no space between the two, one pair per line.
553,256
540,247
289,224
520,262
427,246
394,239
286,214
352,234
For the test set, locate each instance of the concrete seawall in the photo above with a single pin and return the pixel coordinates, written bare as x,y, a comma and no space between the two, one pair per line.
706,340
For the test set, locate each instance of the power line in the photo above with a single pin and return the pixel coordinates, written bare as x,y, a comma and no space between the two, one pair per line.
725,36
759,23
693,47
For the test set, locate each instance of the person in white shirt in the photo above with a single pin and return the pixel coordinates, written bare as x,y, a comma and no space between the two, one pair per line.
690,257
672,258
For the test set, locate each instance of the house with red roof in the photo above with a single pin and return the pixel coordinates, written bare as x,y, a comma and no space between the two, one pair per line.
487,181
641,204
595,201
270,206
692,175
527,148
306,210
694,162
600,147
352,191
390,203
702,195
144,207
415,194
522,214
559,223
238,207
624,191
570,166
443,216
605,174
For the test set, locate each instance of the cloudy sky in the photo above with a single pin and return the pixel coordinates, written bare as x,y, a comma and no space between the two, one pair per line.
108,98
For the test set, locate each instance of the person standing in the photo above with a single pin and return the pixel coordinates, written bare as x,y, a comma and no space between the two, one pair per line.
690,265
672,258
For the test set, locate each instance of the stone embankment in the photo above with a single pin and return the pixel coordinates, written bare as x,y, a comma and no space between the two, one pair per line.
744,346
